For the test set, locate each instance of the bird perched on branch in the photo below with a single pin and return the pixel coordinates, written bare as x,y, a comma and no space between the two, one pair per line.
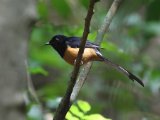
68,48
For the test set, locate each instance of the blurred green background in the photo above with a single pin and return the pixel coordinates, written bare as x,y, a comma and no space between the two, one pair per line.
133,41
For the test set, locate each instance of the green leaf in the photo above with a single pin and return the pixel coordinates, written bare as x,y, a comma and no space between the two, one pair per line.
84,106
74,109
69,116
111,47
76,114
85,3
155,74
95,117
92,36
42,9
62,7
38,70
42,34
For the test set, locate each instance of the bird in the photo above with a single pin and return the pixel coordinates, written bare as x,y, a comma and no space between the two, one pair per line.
68,47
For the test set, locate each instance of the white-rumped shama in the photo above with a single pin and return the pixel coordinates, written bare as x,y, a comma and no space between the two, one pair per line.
68,48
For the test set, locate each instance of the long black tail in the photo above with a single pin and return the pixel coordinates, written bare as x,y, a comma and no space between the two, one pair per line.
123,70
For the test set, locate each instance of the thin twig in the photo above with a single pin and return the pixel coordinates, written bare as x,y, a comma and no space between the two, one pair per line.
107,20
66,101
30,86
32,91
80,80
101,32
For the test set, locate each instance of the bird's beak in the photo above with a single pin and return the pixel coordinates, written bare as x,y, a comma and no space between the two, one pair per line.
47,43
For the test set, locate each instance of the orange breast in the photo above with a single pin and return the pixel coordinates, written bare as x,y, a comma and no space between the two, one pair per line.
88,55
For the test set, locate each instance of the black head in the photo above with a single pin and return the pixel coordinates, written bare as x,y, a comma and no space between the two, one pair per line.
58,42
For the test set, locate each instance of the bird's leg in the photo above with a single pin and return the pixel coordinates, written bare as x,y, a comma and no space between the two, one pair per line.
76,61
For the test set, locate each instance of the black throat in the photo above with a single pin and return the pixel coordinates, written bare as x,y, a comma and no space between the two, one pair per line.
60,49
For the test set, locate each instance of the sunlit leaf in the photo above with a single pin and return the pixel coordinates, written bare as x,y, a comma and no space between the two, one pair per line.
69,116
95,117
74,109
74,112
84,106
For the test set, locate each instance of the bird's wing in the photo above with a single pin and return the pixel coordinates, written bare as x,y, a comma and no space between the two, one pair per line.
74,42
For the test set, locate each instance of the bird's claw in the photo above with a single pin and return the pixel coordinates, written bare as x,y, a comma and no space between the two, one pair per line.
76,61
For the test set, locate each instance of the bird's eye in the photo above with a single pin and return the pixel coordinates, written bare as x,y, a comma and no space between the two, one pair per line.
57,39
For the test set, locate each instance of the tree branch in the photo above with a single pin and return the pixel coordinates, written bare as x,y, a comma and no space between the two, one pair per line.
66,101
107,20
101,32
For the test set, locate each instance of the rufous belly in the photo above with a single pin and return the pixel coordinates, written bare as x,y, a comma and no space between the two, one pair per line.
88,55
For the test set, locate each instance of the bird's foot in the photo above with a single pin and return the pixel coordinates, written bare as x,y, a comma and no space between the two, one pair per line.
76,61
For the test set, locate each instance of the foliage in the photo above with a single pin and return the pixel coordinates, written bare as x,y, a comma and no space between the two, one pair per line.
80,110
133,42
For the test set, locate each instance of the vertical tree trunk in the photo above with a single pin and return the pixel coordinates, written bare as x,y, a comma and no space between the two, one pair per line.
15,18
